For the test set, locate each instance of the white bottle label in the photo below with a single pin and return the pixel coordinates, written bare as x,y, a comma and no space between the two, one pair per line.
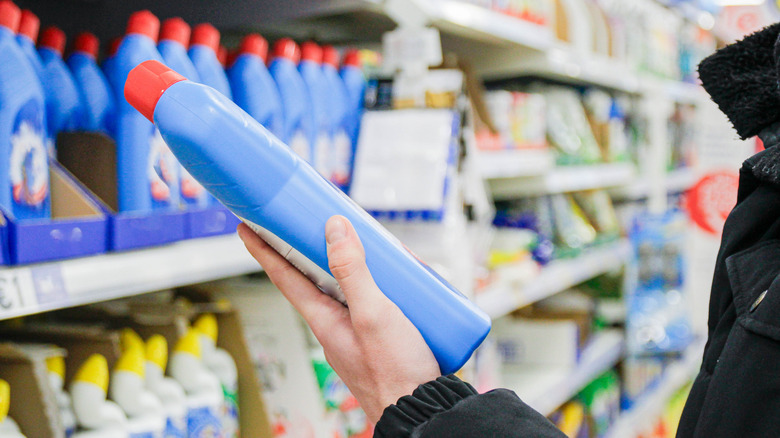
29,168
229,414
175,427
203,422
322,150
341,157
300,145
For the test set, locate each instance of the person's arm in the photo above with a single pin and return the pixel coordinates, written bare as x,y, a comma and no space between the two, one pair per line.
381,356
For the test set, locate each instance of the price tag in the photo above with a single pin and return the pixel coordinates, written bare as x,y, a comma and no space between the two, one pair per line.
48,285
15,299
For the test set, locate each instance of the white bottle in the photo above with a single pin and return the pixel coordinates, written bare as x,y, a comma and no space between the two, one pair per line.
170,393
55,366
145,416
204,392
96,416
8,427
221,364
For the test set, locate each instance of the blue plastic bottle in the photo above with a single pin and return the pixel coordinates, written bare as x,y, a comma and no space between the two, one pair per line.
341,144
203,53
254,90
148,174
296,103
355,83
24,165
108,62
98,98
27,37
287,203
64,108
310,68
174,38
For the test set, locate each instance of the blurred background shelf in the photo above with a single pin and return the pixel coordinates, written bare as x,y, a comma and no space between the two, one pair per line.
564,179
676,181
513,163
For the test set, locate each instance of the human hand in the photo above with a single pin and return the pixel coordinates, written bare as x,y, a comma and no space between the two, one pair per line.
371,345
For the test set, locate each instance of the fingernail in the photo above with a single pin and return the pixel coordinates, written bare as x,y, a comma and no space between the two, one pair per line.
335,230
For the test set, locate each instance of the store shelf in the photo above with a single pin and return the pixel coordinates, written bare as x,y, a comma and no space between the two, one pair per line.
545,388
564,179
514,163
39,288
677,181
503,297
649,407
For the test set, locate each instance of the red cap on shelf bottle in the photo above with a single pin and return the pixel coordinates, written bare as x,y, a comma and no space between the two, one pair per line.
144,23
311,51
222,55
206,35
29,25
88,43
256,45
330,56
113,46
352,58
53,38
176,29
287,48
10,15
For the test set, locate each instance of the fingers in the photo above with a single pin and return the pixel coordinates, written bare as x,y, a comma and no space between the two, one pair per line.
320,311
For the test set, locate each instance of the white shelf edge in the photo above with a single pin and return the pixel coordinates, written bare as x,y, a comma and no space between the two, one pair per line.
37,288
559,275
564,179
515,163
546,388
650,406
676,181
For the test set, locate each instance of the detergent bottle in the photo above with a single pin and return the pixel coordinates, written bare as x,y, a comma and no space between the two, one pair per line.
341,145
63,102
108,61
310,68
222,56
287,203
170,393
148,174
355,83
24,165
93,86
203,53
204,392
145,417
96,416
8,427
174,39
222,365
55,365
254,90
296,104
128,338
28,37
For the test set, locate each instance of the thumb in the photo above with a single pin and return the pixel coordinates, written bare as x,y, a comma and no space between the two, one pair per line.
347,263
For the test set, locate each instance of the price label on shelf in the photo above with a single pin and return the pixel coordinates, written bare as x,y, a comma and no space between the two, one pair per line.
17,296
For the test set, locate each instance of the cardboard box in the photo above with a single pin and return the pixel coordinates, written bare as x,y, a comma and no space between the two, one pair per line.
78,226
92,158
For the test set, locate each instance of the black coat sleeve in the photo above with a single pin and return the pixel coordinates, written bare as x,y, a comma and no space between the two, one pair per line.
449,407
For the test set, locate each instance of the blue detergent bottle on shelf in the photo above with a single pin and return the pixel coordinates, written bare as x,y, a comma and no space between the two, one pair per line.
24,165
254,90
287,203
341,145
203,53
296,103
64,108
310,68
108,62
148,174
98,98
355,83
27,37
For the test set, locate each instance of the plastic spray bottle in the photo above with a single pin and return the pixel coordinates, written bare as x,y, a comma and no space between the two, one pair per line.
288,206
355,83
98,98
145,417
203,53
63,102
27,37
8,427
341,144
222,365
24,165
55,365
170,393
96,416
204,392
310,68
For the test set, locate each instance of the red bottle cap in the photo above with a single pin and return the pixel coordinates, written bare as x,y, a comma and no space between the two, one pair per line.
287,48
88,43
53,38
330,56
146,83
311,51
352,58
255,45
113,46
29,25
206,35
231,57
10,15
222,55
176,29
144,23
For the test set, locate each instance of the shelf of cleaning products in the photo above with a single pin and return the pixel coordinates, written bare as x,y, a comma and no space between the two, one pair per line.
26,290
504,297
676,181
513,163
546,387
651,406
564,179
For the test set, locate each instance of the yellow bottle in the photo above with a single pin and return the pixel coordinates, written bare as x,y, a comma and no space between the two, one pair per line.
222,365
144,411
168,390
55,365
96,416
